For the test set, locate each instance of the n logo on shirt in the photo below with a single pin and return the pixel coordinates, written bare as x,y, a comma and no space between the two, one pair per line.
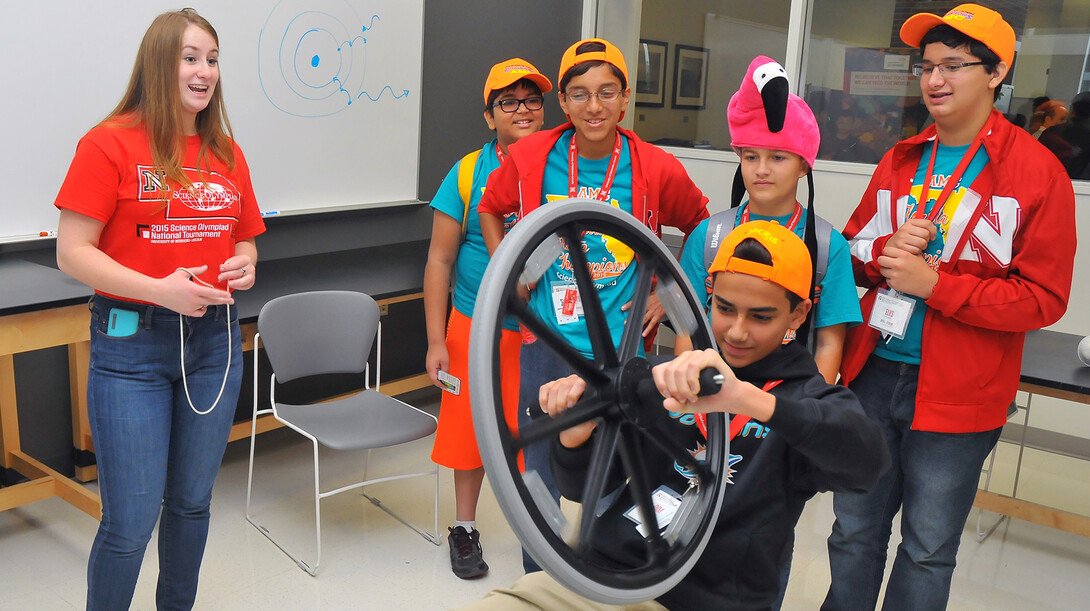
992,240
152,181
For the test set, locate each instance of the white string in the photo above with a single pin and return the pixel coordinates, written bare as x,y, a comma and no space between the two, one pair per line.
181,340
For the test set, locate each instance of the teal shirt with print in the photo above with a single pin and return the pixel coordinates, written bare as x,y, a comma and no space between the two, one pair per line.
472,255
612,265
839,302
907,350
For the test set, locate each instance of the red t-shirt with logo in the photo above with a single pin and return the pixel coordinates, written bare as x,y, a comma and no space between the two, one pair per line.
153,225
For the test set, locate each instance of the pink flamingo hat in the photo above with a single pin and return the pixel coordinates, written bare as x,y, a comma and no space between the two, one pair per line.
764,114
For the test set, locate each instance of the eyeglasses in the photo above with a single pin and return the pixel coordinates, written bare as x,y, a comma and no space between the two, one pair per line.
512,104
581,96
945,68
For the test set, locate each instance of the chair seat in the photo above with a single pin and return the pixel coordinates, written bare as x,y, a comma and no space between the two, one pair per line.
365,420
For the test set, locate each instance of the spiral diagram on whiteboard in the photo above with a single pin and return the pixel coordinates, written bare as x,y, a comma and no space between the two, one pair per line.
312,58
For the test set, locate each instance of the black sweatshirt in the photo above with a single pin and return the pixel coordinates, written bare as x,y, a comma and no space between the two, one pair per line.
818,439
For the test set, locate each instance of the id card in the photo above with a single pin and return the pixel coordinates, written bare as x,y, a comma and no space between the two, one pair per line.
666,503
891,313
566,303
450,383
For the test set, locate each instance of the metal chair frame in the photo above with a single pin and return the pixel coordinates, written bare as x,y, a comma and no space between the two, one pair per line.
982,532
312,569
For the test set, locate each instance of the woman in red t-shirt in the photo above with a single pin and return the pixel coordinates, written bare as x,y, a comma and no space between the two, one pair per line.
158,216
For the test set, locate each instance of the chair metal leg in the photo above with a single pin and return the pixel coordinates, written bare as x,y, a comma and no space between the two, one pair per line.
433,537
253,430
309,568
981,532
1022,446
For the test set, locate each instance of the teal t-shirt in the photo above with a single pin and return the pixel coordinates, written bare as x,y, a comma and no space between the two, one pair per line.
612,266
907,350
839,302
472,255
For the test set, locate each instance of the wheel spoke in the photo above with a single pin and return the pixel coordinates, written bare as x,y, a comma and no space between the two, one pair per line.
570,356
676,307
632,338
678,453
601,341
598,471
544,427
640,485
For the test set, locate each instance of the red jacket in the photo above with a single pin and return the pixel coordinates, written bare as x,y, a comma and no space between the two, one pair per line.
1012,274
662,192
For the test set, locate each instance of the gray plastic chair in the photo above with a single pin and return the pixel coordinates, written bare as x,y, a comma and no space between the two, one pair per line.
324,332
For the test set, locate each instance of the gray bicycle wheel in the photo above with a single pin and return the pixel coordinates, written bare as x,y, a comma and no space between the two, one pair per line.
626,420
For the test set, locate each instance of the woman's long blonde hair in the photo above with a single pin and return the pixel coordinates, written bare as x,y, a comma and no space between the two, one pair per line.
153,98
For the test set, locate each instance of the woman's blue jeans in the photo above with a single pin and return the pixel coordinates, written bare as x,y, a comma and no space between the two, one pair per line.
932,481
154,452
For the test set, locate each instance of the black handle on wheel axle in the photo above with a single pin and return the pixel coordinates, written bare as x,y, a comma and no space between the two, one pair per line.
710,383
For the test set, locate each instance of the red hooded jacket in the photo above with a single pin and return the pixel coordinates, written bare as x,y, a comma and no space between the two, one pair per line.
1012,274
662,192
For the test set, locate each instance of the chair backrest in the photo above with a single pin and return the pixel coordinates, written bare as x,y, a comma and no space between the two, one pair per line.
318,332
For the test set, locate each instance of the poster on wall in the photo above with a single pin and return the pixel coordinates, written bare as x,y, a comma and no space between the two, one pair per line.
651,74
690,77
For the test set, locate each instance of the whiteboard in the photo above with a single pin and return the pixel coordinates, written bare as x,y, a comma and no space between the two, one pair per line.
323,96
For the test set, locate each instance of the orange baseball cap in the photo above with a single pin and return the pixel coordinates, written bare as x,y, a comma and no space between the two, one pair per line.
612,55
791,265
507,73
973,20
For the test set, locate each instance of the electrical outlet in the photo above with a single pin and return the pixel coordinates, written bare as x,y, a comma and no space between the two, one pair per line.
383,309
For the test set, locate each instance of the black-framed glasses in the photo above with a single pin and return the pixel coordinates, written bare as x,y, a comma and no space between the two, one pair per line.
581,96
945,68
512,104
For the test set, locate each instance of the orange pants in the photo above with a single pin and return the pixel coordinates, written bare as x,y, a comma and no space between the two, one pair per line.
455,442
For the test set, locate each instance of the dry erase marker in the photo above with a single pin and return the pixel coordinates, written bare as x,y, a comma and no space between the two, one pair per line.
47,234
270,213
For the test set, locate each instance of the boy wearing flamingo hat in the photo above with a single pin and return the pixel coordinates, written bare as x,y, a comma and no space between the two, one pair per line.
776,137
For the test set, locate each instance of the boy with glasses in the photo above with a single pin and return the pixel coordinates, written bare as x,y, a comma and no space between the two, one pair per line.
965,240
513,109
590,156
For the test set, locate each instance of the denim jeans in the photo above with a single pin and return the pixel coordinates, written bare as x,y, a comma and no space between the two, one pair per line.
154,452
538,366
932,480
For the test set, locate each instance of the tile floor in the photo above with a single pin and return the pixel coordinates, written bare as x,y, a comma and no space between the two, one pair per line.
372,562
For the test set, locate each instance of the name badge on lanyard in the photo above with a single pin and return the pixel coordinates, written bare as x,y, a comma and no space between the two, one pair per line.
566,303
891,313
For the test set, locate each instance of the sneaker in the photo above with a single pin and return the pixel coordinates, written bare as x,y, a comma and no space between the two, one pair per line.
466,557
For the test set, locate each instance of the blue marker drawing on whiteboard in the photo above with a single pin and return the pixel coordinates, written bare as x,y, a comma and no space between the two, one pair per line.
313,57
375,98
